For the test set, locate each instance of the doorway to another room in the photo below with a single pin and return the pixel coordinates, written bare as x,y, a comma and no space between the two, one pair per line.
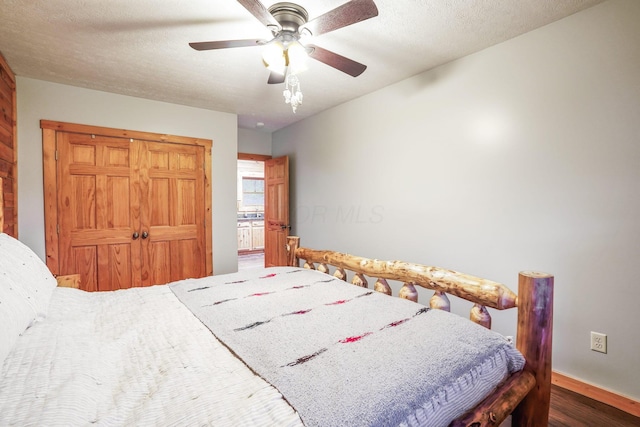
250,211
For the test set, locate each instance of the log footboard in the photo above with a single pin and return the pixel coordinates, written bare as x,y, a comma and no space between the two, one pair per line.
525,395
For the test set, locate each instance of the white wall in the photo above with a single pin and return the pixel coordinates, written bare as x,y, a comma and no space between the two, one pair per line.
525,156
254,142
43,100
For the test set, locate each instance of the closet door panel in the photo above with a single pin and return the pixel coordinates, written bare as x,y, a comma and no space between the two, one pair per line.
95,205
118,212
83,192
159,216
184,252
85,264
161,257
173,193
114,267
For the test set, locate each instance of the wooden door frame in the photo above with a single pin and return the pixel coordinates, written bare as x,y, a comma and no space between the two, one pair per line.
257,157
49,158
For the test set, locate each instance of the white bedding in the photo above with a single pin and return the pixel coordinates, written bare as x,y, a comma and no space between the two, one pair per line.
166,371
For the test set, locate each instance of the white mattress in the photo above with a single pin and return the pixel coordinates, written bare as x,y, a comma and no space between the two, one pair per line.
151,375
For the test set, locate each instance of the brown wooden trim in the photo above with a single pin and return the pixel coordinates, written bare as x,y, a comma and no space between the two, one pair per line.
623,403
49,170
249,156
208,223
122,133
15,154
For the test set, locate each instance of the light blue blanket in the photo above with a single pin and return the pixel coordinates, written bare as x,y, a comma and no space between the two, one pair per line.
347,356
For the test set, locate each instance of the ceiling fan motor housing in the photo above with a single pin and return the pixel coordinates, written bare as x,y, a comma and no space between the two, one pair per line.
290,16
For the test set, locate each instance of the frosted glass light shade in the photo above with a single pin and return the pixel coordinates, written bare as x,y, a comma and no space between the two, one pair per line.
274,58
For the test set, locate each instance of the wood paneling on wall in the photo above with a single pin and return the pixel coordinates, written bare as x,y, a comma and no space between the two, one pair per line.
8,148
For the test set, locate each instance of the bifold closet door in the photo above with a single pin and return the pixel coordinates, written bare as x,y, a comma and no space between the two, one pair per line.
98,211
131,213
172,212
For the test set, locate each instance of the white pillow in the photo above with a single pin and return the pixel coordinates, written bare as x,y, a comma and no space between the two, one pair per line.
17,313
28,272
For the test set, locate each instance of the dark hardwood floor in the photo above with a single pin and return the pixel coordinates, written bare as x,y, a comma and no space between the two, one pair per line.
574,410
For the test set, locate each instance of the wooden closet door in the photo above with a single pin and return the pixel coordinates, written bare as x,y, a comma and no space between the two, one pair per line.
173,212
98,210
131,212
125,208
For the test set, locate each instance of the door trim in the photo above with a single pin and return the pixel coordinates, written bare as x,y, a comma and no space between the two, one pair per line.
49,158
257,157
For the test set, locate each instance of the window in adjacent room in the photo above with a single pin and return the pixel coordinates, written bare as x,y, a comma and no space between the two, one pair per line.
252,192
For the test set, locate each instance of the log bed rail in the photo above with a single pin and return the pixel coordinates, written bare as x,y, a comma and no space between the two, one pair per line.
524,395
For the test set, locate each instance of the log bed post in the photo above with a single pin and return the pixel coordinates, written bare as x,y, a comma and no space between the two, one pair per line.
293,242
535,326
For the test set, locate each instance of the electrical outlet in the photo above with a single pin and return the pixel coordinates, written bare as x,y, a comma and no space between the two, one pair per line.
598,342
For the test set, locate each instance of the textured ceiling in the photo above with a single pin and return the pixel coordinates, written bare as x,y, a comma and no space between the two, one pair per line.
140,48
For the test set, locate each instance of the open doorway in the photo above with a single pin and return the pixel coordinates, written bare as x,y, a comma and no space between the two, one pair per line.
250,211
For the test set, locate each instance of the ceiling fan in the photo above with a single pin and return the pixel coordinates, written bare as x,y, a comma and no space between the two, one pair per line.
290,22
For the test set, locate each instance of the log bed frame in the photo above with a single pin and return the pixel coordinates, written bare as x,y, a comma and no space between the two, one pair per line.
525,395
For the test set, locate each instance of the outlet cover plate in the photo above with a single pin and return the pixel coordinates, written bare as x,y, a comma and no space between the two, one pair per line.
599,342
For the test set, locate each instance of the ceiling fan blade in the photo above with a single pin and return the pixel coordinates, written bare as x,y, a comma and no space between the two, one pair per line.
261,13
347,14
336,61
224,44
276,78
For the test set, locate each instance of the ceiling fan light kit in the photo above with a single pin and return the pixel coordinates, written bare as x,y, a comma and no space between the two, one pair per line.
284,55
280,58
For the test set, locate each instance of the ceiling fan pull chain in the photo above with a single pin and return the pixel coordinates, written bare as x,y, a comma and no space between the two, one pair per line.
292,96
